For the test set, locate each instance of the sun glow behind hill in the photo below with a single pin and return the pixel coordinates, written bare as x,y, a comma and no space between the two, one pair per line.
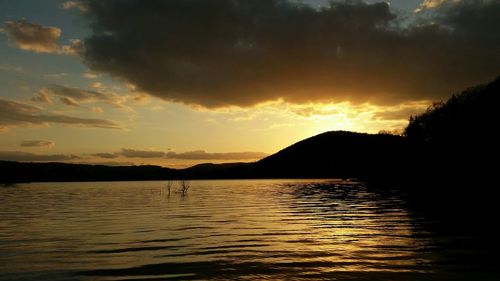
229,134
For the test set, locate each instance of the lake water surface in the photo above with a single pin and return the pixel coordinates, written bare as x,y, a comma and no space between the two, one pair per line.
227,230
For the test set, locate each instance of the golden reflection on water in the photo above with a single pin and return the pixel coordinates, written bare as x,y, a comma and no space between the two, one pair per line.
274,229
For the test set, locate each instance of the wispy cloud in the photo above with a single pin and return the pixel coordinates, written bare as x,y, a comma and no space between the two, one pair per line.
56,75
37,143
74,96
132,153
190,155
68,101
74,4
41,97
203,155
89,75
34,37
401,112
106,155
96,109
13,113
29,157
431,4
14,68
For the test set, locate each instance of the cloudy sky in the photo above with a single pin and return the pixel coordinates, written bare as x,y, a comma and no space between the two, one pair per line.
181,82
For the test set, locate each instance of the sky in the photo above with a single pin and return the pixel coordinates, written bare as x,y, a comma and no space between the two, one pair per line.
181,82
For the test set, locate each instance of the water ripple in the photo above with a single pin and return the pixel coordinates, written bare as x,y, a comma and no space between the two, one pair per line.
259,229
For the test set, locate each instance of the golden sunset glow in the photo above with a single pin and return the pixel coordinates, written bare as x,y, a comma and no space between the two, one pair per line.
77,85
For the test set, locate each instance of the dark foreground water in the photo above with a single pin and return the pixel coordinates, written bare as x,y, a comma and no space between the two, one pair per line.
228,230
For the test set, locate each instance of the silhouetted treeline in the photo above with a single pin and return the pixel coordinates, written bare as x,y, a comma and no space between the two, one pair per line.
460,135
457,170
471,117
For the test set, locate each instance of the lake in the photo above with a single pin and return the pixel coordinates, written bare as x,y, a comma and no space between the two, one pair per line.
229,230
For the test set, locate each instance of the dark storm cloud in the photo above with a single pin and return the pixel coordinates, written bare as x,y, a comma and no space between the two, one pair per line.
13,113
27,156
236,52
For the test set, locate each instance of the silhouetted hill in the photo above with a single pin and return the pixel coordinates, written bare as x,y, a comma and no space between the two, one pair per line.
218,171
339,154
